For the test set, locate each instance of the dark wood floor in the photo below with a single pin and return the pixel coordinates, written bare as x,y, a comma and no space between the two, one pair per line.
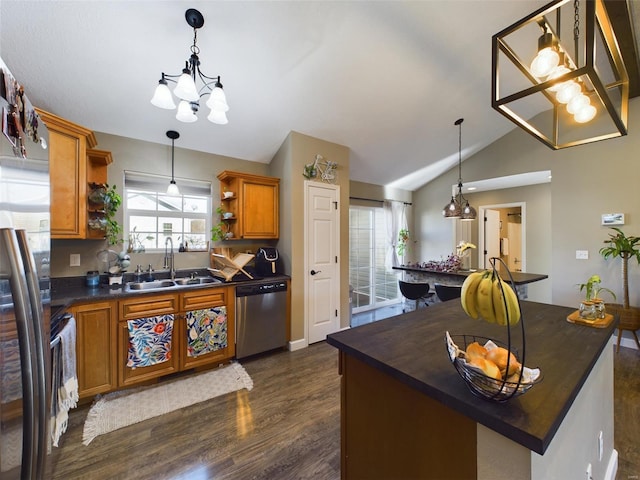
287,427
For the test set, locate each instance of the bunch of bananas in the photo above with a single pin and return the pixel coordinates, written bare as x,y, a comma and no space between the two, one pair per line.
481,296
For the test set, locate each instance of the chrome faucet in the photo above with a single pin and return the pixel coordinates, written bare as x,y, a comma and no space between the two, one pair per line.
168,258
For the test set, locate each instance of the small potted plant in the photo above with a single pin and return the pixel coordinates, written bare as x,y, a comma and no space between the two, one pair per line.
593,306
112,202
220,230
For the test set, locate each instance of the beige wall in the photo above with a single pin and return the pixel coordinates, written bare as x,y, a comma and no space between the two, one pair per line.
588,180
136,155
297,151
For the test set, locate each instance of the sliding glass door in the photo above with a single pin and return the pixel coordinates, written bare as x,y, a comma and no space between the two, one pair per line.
372,285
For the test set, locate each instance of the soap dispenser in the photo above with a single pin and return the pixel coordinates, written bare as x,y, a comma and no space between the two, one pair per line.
138,274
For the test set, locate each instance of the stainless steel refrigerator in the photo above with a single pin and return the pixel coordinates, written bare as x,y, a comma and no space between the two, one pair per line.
25,379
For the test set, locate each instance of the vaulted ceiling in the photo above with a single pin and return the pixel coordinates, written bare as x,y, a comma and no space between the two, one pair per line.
387,79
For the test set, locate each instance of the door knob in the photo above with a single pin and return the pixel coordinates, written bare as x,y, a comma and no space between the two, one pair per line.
313,272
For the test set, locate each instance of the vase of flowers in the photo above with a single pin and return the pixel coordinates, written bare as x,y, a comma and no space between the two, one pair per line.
463,252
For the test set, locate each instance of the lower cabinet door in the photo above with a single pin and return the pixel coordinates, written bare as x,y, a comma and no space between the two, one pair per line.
209,337
148,348
95,347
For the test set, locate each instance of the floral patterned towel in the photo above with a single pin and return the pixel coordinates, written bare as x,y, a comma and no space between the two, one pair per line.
206,330
149,340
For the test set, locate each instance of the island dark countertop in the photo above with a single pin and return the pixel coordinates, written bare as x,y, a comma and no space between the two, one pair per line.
411,349
519,278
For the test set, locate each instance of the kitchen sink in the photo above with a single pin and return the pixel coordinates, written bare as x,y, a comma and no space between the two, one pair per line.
196,281
164,284
155,285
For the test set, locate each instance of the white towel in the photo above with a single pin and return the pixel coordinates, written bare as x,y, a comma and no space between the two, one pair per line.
67,386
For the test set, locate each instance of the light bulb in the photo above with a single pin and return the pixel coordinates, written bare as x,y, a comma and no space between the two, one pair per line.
546,60
185,112
577,103
162,96
567,92
557,73
585,114
186,88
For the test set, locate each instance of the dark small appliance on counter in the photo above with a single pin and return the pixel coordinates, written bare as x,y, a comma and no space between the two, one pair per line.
268,262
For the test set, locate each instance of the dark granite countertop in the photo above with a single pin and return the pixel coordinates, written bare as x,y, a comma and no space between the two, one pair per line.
66,291
411,348
519,278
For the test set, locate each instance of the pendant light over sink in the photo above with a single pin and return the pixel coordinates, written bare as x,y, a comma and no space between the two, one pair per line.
459,206
173,189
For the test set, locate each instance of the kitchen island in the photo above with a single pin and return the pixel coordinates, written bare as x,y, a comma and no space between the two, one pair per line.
406,413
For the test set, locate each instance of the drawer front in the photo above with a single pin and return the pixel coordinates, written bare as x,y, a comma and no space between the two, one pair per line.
204,298
148,306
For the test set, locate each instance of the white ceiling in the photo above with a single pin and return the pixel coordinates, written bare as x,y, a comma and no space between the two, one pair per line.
387,78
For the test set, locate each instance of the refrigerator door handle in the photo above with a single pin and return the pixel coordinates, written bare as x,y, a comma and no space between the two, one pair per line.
12,258
42,350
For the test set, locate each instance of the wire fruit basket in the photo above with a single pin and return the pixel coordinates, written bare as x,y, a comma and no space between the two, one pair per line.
480,384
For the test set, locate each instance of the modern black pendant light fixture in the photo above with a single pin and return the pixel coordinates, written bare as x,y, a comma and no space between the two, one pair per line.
173,187
459,206
186,89
576,89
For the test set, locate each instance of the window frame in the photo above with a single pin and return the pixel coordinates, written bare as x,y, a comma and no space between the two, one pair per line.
155,185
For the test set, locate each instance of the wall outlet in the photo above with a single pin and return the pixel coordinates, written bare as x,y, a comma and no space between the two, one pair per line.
74,260
582,254
589,473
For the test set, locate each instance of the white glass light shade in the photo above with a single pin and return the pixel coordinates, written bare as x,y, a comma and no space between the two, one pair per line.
186,88
173,189
546,60
585,114
218,116
185,112
567,92
218,100
162,97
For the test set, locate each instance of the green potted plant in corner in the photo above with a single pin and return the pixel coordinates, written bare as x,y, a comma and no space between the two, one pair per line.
112,202
625,247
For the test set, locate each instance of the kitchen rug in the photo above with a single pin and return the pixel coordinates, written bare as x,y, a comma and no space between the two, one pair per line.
120,409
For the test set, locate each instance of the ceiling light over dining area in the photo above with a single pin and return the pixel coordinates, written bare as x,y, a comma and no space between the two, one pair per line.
187,90
459,206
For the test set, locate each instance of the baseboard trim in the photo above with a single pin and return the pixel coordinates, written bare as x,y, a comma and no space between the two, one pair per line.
298,344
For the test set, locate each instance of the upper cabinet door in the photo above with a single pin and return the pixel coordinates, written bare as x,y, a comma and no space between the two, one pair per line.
254,202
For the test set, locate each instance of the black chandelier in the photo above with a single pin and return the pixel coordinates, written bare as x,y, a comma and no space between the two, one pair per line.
188,93
459,206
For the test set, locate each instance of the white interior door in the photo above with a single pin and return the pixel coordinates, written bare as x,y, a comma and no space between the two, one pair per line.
514,233
322,280
491,236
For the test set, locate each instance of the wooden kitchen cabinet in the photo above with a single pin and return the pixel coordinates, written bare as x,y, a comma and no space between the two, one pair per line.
73,166
145,307
96,347
201,302
254,203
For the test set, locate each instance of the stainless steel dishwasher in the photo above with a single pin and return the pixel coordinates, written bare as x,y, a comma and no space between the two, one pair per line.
261,317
